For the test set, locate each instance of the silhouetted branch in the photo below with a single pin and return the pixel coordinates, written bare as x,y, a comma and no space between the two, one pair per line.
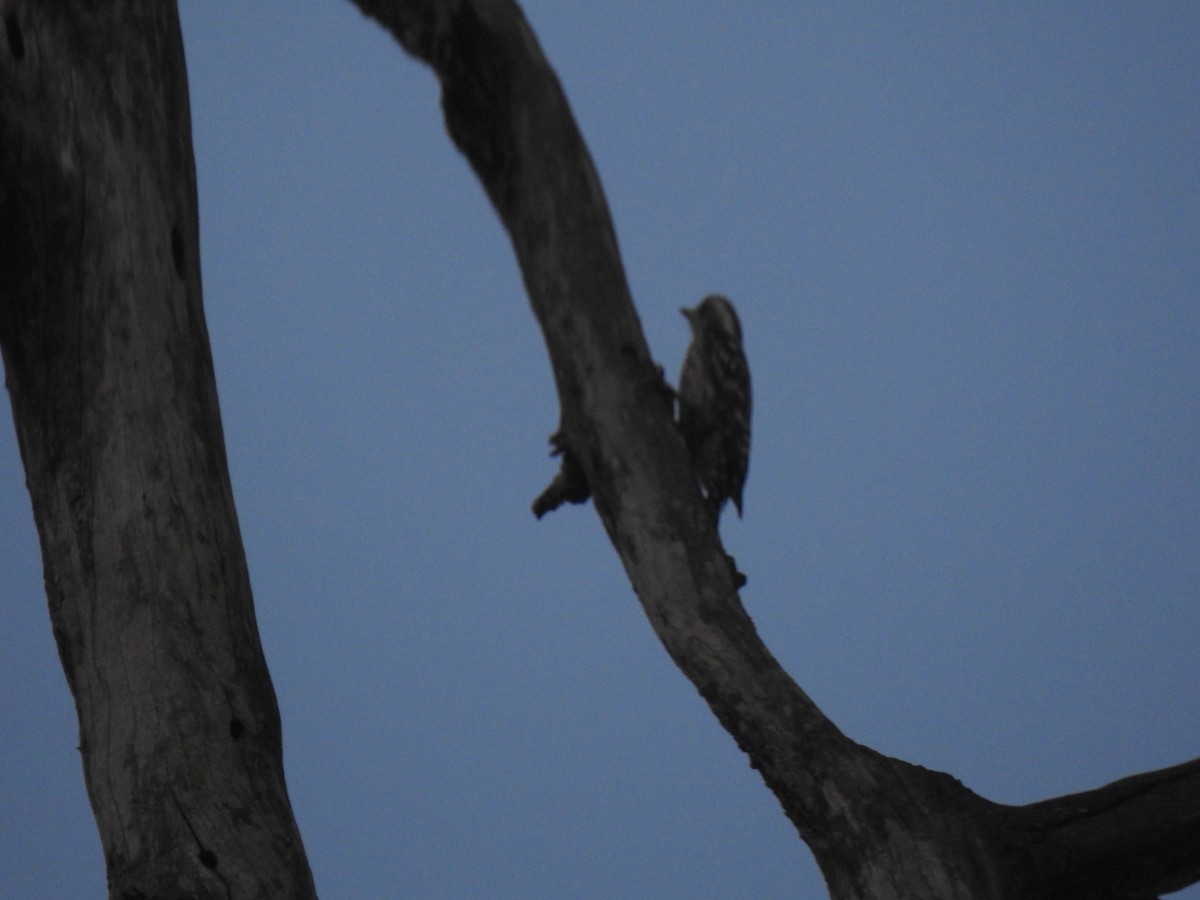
569,485
877,826
1139,836
108,366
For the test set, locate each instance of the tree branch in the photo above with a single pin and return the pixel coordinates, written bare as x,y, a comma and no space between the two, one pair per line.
108,366
1138,837
878,827
505,110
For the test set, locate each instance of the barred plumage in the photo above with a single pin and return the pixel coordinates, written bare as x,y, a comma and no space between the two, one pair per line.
714,402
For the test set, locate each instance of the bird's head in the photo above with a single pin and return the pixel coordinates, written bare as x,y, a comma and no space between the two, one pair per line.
714,311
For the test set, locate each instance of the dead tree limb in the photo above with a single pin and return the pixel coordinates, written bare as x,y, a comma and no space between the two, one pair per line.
878,827
108,367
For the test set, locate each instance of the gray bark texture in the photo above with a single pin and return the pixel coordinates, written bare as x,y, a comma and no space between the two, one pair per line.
879,827
108,367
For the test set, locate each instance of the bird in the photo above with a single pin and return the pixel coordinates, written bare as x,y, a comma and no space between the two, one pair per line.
714,403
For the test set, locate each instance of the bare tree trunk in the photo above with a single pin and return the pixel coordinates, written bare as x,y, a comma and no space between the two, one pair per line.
879,827
108,367
109,371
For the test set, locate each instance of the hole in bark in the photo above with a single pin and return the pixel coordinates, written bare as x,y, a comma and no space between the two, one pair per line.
208,859
236,728
16,41
177,250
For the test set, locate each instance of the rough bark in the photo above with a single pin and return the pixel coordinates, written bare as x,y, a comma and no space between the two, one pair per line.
1135,838
879,827
107,364
108,367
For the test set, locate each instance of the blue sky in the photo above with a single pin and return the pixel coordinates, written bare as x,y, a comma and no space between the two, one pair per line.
964,241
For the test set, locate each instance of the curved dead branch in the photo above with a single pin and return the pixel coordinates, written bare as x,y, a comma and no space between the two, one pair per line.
878,827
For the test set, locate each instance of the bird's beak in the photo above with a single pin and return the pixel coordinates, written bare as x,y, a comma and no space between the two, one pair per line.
687,313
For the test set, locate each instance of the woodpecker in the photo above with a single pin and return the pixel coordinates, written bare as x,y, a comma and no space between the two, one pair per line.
714,403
